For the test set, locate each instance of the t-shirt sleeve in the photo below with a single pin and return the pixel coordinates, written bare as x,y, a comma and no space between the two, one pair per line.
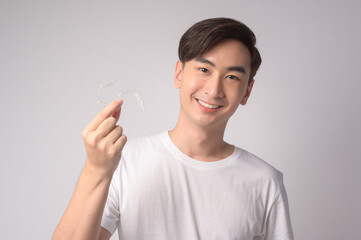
111,214
278,225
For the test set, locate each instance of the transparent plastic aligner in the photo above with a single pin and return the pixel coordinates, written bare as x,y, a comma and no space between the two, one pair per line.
120,95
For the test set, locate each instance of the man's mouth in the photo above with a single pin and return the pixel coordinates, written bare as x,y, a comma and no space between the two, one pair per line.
207,105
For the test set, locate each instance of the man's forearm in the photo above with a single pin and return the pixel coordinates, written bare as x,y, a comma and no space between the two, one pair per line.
83,216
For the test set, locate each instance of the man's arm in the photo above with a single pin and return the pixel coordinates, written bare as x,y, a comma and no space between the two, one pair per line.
104,142
104,234
278,222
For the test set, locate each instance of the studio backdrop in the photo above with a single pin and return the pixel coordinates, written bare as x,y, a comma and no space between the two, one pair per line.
303,116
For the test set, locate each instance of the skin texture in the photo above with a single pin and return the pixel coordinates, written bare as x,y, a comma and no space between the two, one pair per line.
220,78
213,78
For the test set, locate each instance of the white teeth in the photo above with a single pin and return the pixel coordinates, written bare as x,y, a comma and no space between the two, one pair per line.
207,105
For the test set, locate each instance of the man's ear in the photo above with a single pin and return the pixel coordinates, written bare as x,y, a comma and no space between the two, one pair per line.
178,74
247,93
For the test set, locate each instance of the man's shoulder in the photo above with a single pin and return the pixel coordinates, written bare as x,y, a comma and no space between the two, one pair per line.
154,138
151,142
258,168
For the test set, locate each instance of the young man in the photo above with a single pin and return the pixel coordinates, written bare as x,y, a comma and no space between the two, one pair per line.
186,183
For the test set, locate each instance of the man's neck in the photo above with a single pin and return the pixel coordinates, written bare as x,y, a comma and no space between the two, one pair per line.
204,144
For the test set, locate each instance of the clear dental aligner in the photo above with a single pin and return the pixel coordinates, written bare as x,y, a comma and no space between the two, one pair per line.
120,95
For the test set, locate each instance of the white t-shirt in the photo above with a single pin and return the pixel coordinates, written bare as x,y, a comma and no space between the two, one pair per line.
158,192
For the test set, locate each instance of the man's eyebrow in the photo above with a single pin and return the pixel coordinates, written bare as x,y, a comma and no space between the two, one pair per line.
203,60
240,69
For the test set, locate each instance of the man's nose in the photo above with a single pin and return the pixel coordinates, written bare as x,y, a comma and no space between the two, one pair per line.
213,87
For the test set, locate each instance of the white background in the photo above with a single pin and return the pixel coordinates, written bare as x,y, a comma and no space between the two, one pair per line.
303,116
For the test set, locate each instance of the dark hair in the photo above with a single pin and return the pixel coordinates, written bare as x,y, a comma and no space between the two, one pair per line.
204,35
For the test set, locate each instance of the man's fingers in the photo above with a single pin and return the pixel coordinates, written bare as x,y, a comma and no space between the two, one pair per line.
105,127
115,134
113,108
119,144
116,114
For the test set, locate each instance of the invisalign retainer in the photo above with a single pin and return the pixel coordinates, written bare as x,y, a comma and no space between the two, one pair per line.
120,95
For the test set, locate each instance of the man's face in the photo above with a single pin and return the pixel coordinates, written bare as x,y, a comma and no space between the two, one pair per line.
213,86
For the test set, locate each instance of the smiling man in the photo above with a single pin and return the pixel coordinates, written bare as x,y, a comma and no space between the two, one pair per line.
186,183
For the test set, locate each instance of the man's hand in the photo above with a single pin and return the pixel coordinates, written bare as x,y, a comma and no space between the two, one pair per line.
104,140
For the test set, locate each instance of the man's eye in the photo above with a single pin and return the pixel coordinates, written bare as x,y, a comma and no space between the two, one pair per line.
233,77
203,70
